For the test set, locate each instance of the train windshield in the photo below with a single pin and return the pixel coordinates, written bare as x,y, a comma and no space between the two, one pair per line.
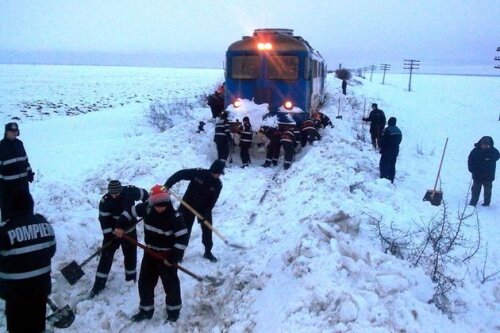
245,67
283,68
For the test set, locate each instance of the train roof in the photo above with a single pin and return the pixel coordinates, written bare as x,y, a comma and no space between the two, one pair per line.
281,40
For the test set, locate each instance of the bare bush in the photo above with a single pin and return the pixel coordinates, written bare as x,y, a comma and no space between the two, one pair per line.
481,273
162,114
343,74
439,246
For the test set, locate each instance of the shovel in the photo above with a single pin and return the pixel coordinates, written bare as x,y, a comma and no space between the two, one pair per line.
73,272
214,281
435,196
338,112
61,317
208,225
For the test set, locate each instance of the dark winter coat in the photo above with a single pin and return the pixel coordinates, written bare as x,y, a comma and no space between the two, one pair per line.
111,208
27,245
203,189
163,232
390,140
377,121
246,135
482,162
216,103
325,120
222,132
14,164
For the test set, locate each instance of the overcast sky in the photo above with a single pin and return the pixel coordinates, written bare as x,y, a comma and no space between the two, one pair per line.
196,33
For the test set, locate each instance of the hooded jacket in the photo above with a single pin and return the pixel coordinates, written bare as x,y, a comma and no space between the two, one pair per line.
482,162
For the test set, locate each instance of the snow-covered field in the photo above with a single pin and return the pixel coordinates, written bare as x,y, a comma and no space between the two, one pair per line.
315,262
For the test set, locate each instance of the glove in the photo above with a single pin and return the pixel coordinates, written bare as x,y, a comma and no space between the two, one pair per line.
31,176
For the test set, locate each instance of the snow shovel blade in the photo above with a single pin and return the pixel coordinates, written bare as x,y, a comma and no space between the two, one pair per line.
62,318
237,246
338,117
214,281
72,272
435,197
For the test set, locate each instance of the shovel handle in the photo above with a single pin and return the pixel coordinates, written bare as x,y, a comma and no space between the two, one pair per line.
439,170
53,306
160,257
205,222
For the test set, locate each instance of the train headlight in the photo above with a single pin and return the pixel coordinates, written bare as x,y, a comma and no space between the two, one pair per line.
288,105
265,46
237,103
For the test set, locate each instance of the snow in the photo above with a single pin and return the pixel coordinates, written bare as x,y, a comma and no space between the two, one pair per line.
315,263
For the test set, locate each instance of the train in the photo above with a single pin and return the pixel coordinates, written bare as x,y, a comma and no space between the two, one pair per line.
277,69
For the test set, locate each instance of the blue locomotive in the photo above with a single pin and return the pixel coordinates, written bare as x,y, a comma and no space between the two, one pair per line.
276,68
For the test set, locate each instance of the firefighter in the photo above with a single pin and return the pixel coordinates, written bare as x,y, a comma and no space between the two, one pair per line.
27,245
222,137
216,101
273,148
15,169
287,141
165,233
377,124
118,199
324,120
309,133
246,134
202,194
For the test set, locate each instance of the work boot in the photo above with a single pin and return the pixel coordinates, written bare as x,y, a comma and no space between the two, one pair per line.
172,316
275,163
142,315
473,204
208,255
484,204
267,164
95,291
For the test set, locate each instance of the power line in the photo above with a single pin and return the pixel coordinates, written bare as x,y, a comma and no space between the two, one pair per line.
372,68
385,67
411,64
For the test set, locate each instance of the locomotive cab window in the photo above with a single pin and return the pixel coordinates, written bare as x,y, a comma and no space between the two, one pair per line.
283,68
245,67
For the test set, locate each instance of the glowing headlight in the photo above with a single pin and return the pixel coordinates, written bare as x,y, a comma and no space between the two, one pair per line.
288,105
265,46
237,103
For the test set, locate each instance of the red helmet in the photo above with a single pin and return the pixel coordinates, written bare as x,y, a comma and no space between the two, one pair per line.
158,194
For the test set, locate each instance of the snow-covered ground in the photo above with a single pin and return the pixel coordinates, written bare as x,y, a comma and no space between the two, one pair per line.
315,262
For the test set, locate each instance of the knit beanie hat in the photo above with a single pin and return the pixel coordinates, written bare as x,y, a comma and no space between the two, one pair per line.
218,167
158,194
11,127
114,187
392,121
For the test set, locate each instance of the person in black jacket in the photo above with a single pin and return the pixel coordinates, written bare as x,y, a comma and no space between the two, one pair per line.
246,135
482,164
165,233
309,133
287,141
273,147
389,149
216,102
118,199
377,124
27,245
202,193
15,169
222,137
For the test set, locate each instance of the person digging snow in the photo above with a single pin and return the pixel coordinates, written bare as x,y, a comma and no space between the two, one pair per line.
482,164
165,233
202,194
112,204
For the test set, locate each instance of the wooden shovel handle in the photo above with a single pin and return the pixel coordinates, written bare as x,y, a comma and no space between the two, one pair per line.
439,170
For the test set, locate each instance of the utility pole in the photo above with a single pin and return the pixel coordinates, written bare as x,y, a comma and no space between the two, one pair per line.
411,64
372,68
497,58
364,72
385,67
